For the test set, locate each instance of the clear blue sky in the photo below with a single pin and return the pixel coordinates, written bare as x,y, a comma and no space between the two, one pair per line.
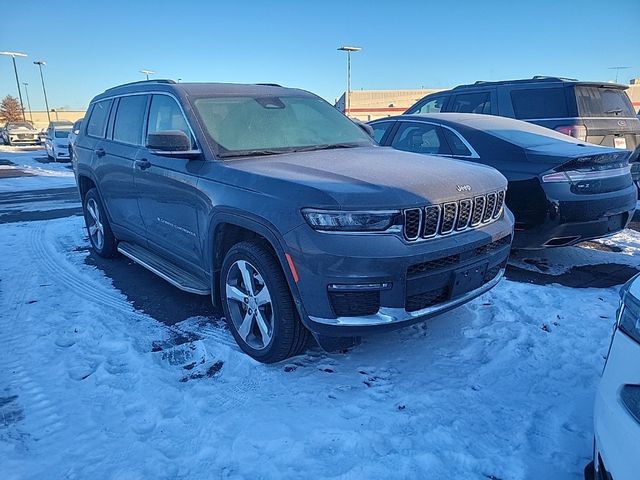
92,45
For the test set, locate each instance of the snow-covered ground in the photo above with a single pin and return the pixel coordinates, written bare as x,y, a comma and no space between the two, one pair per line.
501,388
42,173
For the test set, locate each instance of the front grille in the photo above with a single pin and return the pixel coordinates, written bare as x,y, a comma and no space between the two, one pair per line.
354,304
457,216
426,299
412,220
490,205
490,247
423,267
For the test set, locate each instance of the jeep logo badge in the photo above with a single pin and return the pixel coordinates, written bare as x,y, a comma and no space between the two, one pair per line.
463,188
622,123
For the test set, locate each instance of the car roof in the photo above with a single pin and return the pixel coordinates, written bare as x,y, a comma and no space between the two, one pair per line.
541,79
202,89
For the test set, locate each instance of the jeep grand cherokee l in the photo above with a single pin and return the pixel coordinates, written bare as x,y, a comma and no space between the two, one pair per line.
561,191
285,211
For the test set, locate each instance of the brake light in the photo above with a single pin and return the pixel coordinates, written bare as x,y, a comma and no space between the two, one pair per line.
575,176
575,131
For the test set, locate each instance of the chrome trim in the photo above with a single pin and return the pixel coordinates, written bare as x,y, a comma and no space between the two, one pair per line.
498,211
466,225
390,315
404,216
455,217
484,205
437,222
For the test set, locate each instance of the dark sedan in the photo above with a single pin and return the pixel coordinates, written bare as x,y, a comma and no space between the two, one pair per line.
561,190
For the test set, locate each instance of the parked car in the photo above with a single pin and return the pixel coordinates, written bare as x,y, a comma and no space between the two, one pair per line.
19,133
57,141
617,406
593,112
75,129
561,191
285,212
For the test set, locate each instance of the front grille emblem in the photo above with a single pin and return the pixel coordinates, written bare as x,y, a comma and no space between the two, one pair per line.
463,188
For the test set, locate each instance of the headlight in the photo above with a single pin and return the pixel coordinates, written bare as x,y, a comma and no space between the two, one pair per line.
333,220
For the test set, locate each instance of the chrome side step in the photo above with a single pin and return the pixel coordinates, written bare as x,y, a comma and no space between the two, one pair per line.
173,274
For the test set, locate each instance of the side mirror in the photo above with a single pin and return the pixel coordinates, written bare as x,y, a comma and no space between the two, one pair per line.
171,143
368,129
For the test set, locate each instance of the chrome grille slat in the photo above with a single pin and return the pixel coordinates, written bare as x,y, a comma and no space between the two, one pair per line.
443,219
431,221
449,217
490,205
412,223
464,214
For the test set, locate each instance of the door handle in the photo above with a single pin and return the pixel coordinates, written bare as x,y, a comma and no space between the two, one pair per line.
142,164
100,152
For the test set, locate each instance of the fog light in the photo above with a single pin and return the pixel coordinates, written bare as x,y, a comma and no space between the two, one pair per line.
359,287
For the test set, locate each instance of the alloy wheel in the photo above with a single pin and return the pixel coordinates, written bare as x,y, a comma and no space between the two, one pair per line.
94,224
250,305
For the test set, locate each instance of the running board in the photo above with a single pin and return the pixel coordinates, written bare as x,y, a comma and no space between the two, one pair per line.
173,274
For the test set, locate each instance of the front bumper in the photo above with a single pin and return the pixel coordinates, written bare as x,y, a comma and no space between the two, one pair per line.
416,280
617,433
23,141
572,218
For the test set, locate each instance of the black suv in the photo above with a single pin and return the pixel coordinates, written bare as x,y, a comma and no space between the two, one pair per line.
594,112
285,211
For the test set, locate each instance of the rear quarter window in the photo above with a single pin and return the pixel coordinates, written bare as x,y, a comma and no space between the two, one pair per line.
603,102
539,103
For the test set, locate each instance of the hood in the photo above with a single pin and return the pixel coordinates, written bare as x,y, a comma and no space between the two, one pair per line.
376,177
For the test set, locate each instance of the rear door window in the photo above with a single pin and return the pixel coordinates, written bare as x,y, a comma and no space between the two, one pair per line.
380,129
477,102
603,102
129,122
97,123
539,103
420,137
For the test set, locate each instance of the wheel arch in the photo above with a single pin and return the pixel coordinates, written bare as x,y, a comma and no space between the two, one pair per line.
227,228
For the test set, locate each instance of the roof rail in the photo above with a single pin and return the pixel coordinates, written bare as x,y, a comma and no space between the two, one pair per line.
160,80
561,79
268,84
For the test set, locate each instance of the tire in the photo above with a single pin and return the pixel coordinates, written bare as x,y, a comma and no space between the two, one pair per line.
247,317
102,240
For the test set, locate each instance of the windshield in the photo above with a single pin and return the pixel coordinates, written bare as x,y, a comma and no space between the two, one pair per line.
62,133
603,102
15,126
267,125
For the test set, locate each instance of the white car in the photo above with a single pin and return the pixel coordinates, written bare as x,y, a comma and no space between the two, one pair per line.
57,142
75,130
617,406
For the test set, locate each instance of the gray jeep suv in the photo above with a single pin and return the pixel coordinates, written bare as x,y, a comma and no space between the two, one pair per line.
285,211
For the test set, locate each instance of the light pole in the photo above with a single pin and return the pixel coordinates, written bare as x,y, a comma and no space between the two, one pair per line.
147,72
347,98
13,56
26,91
617,69
40,64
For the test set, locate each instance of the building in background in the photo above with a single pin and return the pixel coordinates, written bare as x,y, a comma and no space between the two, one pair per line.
41,121
368,105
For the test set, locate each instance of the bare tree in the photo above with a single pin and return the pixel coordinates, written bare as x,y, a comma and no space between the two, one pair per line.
10,110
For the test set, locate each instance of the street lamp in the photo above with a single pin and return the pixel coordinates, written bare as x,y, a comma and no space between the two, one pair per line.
40,64
147,72
347,98
617,69
26,91
13,56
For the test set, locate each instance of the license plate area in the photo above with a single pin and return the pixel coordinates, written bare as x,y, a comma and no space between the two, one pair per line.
468,278
620,142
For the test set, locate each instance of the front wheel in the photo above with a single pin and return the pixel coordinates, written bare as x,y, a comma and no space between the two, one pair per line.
258,304
100,235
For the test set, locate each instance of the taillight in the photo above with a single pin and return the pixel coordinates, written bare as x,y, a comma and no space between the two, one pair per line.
576,176
592,167
575,131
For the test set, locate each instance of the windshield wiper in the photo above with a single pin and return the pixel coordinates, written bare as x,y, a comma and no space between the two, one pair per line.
614,110
250,153
329,146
